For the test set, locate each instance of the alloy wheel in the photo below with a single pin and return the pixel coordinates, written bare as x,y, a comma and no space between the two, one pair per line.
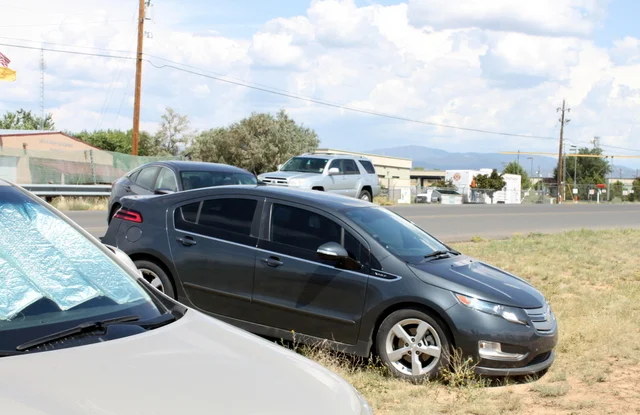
153,279
413,347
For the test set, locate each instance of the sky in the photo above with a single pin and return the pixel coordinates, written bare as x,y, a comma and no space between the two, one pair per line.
501,66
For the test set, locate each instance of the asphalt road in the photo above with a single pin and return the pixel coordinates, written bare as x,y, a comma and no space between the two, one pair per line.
455,223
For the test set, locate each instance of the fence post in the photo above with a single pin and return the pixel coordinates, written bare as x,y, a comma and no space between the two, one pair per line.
93,167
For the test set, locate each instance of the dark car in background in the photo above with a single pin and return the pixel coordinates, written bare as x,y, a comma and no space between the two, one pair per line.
163,177
312,266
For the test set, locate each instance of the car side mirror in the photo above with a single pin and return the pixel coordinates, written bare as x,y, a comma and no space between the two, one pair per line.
279,167
163,191
332,251
334,171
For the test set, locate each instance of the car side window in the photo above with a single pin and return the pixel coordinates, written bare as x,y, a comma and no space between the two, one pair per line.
337,164
350,167
368,166
146,178
166,180
301,228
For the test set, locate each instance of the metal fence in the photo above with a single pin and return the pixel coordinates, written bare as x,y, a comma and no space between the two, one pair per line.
67,167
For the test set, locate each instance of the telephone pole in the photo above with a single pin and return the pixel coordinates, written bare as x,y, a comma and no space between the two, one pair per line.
560,152
136,103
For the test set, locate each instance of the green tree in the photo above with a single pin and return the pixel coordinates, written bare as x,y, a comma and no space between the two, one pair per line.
120,141
174,129
635,186
258,143
490,183
443,183
515,168
26,120
616,189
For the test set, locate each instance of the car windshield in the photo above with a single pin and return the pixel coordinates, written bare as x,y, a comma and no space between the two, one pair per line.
305,165
52,277
399,236
200,179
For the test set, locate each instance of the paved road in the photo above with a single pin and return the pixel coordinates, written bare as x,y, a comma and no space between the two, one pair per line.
454,223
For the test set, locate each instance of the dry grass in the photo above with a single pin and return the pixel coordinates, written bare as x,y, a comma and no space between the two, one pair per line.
592,280
80,203
382,201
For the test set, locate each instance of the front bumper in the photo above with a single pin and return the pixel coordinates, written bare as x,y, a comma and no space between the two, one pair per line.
536,348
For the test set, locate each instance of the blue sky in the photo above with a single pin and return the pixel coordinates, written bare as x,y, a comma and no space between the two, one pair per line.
493,65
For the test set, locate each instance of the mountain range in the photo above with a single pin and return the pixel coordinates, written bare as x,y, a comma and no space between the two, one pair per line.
435,159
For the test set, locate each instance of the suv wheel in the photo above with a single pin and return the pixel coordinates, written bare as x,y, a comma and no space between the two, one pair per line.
365,195
156,276
413,345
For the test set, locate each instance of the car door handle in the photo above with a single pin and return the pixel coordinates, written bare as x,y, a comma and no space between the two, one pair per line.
273,262
186,241
127,188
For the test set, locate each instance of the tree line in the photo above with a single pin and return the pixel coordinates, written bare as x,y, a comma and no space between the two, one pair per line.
258,143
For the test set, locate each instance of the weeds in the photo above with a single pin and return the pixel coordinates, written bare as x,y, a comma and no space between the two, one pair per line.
80,203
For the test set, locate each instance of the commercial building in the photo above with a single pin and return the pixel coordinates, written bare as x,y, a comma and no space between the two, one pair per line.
41,157
393,172
424,178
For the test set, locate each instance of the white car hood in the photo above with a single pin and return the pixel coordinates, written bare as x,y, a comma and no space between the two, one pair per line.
196,365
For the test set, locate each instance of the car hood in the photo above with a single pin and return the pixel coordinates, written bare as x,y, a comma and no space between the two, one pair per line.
291,175
196,365
469,276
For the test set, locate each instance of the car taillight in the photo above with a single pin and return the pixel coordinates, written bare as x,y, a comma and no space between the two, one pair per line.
128,215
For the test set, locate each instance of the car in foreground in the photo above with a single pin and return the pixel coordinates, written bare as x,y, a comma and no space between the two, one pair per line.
82,333
161,177
314,267
342,174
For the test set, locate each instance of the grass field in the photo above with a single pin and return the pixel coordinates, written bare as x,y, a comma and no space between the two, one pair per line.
80,203
592,280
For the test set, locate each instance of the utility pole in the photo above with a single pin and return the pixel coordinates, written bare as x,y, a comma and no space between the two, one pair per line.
136,105
42,68
560,153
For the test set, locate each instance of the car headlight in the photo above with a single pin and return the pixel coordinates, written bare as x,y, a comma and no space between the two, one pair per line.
512,314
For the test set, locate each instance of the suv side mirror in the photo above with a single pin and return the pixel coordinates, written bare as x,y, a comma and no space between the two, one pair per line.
334,171
279,166
163,191
332,251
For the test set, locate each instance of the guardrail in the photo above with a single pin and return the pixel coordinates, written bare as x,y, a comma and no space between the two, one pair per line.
53,190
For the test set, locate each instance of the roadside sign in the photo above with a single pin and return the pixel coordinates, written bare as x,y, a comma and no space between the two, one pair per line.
592,191
604,190
575,191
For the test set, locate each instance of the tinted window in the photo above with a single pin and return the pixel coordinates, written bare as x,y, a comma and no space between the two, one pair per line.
301,228
337,164
399,236
200,179
166,180
189,212
146,177
232,215
305,164
368,166
352,246
349,167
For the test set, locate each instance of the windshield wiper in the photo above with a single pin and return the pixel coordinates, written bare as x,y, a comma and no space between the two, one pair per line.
80,328
440,254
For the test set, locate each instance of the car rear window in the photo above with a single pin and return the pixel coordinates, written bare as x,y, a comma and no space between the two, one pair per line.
200,179
368,166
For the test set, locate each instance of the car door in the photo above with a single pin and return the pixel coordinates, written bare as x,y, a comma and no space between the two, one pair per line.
352,177
296,290
144,181
213,245
336,181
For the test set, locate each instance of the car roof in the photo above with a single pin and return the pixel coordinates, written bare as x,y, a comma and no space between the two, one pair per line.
332,156
198,166
5,183
328,201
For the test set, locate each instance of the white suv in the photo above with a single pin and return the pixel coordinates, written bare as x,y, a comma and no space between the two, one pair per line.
342,174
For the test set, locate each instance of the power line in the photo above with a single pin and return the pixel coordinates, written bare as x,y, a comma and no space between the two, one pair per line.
65,24
276,91
66,45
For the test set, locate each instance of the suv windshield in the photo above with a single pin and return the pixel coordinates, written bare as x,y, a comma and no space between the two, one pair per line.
401,237
200,179
305,165
52,277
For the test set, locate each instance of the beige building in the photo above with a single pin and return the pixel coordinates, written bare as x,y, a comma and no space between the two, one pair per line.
393,172
41,157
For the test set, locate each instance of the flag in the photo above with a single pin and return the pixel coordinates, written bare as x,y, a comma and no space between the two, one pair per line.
4,61
7,74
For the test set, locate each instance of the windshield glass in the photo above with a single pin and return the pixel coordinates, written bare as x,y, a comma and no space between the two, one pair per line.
305,165
200,179
50,274
399,236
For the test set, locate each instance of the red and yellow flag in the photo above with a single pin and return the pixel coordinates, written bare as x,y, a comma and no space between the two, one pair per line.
6,74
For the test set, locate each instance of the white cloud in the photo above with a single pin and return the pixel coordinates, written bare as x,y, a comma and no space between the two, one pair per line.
504,68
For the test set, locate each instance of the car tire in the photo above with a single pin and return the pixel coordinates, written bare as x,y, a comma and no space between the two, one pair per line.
156,276
407,356
366,196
